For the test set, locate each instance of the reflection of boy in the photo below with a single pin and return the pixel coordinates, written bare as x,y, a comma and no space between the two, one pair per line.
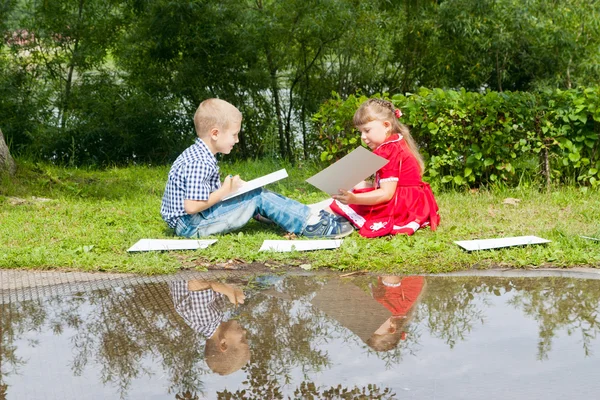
200,304
399,296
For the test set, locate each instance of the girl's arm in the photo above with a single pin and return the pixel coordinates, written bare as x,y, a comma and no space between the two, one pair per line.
377,196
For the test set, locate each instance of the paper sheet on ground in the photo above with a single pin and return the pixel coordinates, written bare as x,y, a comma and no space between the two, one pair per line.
486,244
170,244
347,172
259,182
299,245
590,238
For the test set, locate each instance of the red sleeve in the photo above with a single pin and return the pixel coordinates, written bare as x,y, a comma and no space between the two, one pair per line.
392,153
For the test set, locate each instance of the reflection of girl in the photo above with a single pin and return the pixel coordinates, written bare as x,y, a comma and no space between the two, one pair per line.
399,296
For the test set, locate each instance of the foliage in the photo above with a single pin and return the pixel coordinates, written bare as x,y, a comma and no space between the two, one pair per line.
471,138
333,124
79,77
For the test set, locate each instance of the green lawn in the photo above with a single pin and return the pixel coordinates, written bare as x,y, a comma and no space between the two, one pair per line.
79,219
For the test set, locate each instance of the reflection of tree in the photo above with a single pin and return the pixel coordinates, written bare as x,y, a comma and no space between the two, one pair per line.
308,390
284,330
450,308
116,329
454,306
559,303
128,325
15,320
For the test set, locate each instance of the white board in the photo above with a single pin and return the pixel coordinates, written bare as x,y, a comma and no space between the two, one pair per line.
259,182
170,244
299,245
486,244
348,171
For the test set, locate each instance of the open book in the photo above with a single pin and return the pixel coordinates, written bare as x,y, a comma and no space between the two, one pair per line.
258,182
348,171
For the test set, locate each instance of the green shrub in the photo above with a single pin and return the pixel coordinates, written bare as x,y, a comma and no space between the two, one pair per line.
473,139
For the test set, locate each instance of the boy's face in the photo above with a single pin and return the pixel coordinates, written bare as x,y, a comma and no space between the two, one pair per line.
237,342
374,133
227,137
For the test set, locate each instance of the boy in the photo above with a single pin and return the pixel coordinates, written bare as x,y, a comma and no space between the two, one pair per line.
192,203
200,303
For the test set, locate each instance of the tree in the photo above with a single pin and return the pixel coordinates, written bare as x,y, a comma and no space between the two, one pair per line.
6,161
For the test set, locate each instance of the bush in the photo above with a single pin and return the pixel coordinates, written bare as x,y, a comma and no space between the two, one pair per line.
473,139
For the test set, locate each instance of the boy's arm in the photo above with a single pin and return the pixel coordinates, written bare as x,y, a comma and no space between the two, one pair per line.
230,185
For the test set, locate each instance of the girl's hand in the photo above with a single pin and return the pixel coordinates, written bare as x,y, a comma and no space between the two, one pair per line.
345,197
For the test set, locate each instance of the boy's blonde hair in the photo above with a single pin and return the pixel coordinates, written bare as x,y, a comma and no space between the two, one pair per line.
383,110
225,362
215,113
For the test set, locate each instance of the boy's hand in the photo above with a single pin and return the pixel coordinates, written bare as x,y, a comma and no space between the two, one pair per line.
233,293
345,197
232,183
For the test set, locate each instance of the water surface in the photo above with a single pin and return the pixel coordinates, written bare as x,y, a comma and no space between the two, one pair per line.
316,336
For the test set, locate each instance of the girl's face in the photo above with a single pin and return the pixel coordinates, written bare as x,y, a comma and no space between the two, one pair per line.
375,132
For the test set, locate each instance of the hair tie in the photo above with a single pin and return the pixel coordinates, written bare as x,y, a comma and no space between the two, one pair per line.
397,113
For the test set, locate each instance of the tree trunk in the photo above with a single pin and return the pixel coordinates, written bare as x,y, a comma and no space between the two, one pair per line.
6,161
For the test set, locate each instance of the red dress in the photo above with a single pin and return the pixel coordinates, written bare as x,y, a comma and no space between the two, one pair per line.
402,298
413,205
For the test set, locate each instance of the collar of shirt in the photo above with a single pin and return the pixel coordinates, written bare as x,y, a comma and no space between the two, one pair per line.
203,150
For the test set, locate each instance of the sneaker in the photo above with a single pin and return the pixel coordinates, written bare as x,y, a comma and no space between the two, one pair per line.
328,227
335,217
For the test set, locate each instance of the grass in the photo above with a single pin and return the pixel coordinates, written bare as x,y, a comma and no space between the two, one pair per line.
85,220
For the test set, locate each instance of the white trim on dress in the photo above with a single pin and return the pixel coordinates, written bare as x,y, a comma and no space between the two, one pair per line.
357,219
391,179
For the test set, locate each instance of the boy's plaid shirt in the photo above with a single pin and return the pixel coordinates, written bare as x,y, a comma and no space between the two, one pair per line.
202,310
193,176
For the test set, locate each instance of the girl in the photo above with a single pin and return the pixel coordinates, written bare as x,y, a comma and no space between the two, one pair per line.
398,201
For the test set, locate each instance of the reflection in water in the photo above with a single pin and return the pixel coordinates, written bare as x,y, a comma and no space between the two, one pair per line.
307,336
399,296
200,303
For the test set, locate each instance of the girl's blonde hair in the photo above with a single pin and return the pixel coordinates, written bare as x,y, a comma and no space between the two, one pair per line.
383,110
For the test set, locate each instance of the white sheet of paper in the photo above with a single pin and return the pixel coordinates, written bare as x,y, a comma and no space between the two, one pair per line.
486,244
299,245
259,182
348,171
590,238
170,244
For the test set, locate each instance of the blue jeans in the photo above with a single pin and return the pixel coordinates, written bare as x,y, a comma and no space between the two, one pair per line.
234,213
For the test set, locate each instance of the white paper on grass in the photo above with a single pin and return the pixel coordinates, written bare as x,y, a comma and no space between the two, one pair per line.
259,182
486,244
590,238
170,244
299,245
348,172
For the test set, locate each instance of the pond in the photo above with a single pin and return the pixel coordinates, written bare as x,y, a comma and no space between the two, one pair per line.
302,336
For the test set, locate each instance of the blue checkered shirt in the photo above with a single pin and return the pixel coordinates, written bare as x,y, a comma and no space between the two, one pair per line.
202,310
193,176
